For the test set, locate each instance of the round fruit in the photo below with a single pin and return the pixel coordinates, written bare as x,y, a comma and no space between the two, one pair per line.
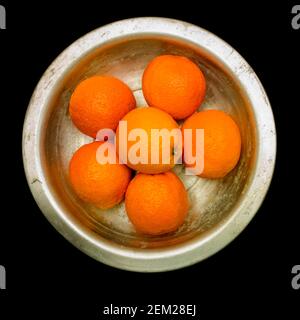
174,84
141,153
103,185
222,142
100,102
156,204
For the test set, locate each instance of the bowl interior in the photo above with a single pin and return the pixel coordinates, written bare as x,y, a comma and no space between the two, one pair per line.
212,201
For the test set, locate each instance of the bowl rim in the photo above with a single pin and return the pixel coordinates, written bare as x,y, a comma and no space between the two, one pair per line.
173,257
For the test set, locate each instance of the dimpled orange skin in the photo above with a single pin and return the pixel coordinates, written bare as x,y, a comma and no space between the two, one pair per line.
222,142
174,84
156,204
149,118
100,102
103,185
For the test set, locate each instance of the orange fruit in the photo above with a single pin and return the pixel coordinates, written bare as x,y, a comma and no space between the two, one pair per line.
148,118
103,185
222,142
174,84
156,204
100,102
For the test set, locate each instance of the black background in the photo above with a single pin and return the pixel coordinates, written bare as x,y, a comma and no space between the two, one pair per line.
47,275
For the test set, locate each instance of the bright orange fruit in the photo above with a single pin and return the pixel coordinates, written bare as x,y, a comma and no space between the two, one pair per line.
156,204
100,102
174,84
149,118
103,185
222,142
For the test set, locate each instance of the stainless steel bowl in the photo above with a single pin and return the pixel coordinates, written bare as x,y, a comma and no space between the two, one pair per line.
220,209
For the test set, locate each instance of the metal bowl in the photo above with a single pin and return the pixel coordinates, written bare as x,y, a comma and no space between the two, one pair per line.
220,209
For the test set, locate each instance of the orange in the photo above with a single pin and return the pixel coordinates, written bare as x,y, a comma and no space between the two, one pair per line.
174,84
103,185
222,142
148,118
100,102
156,204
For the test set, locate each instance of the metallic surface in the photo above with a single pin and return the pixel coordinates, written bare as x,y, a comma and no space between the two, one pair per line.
220,209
